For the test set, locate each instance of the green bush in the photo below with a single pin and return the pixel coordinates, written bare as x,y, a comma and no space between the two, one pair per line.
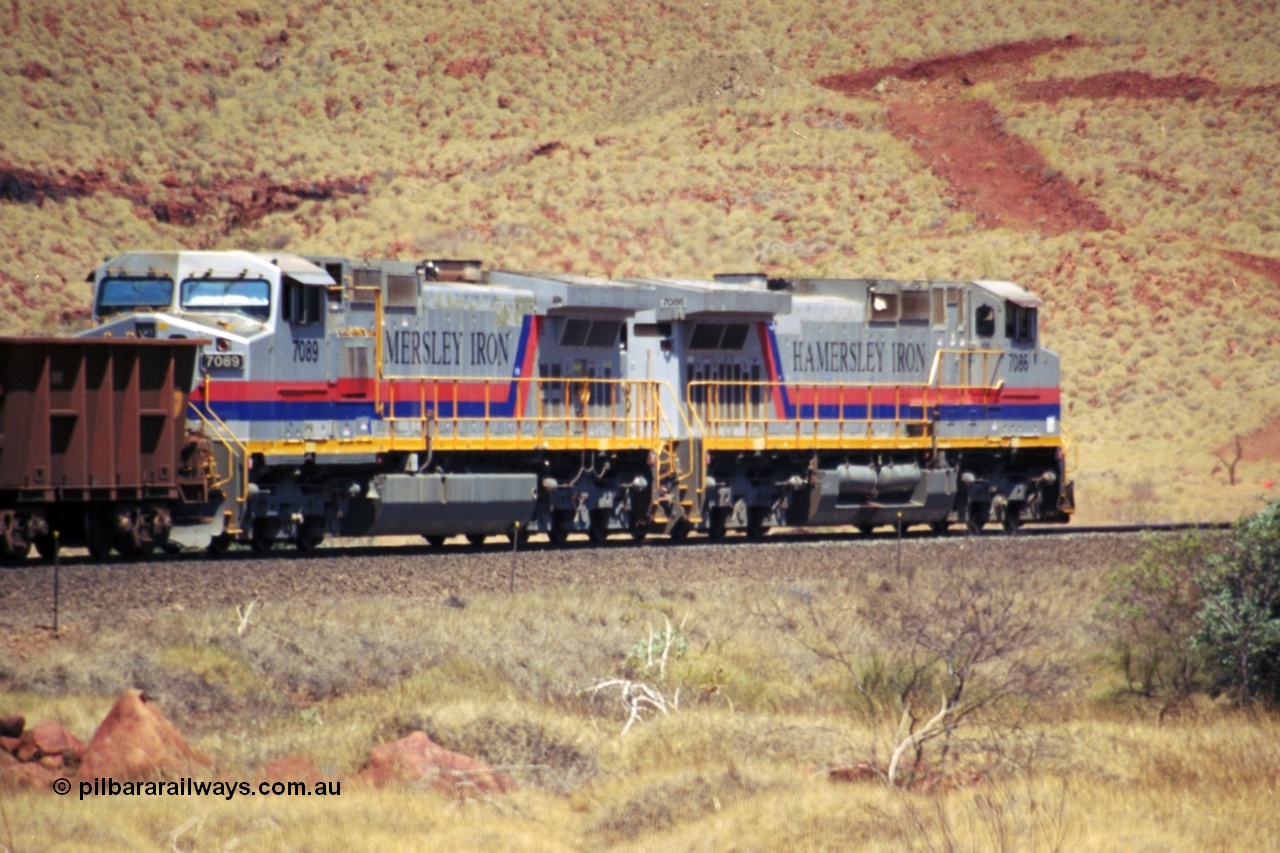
1239,631
1151,608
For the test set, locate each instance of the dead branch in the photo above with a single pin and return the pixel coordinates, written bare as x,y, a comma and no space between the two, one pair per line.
1231,466
932,729
636,697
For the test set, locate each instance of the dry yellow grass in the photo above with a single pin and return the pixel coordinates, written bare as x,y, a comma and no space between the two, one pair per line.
741,762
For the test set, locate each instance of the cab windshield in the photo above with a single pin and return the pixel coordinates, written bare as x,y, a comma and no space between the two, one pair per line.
119,293
251,296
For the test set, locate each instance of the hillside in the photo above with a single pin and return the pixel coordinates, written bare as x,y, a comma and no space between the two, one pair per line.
1119,159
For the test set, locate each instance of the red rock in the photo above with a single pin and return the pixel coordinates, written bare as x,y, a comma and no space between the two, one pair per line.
48,737
135,741
12,725
417,761
26,777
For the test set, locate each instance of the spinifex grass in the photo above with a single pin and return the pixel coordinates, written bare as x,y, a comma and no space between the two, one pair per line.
756,719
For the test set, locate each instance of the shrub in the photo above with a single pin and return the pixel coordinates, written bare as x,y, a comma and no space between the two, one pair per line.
1151,607
1239,630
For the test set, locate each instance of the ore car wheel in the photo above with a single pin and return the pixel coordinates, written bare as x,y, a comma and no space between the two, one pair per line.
219,545
97,527
435,540
940,527
48,546
866,529
14,547
132,531
476,539
15,553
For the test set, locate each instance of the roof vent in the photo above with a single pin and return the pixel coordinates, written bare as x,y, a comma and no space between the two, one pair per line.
446,269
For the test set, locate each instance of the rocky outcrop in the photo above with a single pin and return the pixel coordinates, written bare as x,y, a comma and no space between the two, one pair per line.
416,761
32,758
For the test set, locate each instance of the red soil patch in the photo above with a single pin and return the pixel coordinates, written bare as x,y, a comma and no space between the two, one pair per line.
241,201
1258,446
1001,178
1118,84
462,66
988,63
1264,266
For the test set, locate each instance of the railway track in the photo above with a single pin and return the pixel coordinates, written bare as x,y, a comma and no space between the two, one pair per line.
92,591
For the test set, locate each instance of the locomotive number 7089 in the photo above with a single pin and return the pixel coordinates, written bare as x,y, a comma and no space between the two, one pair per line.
306,351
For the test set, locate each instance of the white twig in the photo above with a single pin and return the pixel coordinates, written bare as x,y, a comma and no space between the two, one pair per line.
666,650
931,729
244,617
636,697
181,829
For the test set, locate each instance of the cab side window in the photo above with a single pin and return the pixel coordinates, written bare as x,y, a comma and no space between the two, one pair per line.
984,321
1020,323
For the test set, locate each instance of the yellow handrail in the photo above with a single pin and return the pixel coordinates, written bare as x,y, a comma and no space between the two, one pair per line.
225,436
586,407
1070,450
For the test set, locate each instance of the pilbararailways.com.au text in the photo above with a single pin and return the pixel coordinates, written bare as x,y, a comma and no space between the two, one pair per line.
188,787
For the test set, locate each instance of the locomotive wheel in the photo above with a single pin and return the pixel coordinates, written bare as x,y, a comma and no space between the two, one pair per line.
435,540
1012,519
680,531
599,530
756,528
263,538
716,523
309,534
979,515
219,545
560,527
